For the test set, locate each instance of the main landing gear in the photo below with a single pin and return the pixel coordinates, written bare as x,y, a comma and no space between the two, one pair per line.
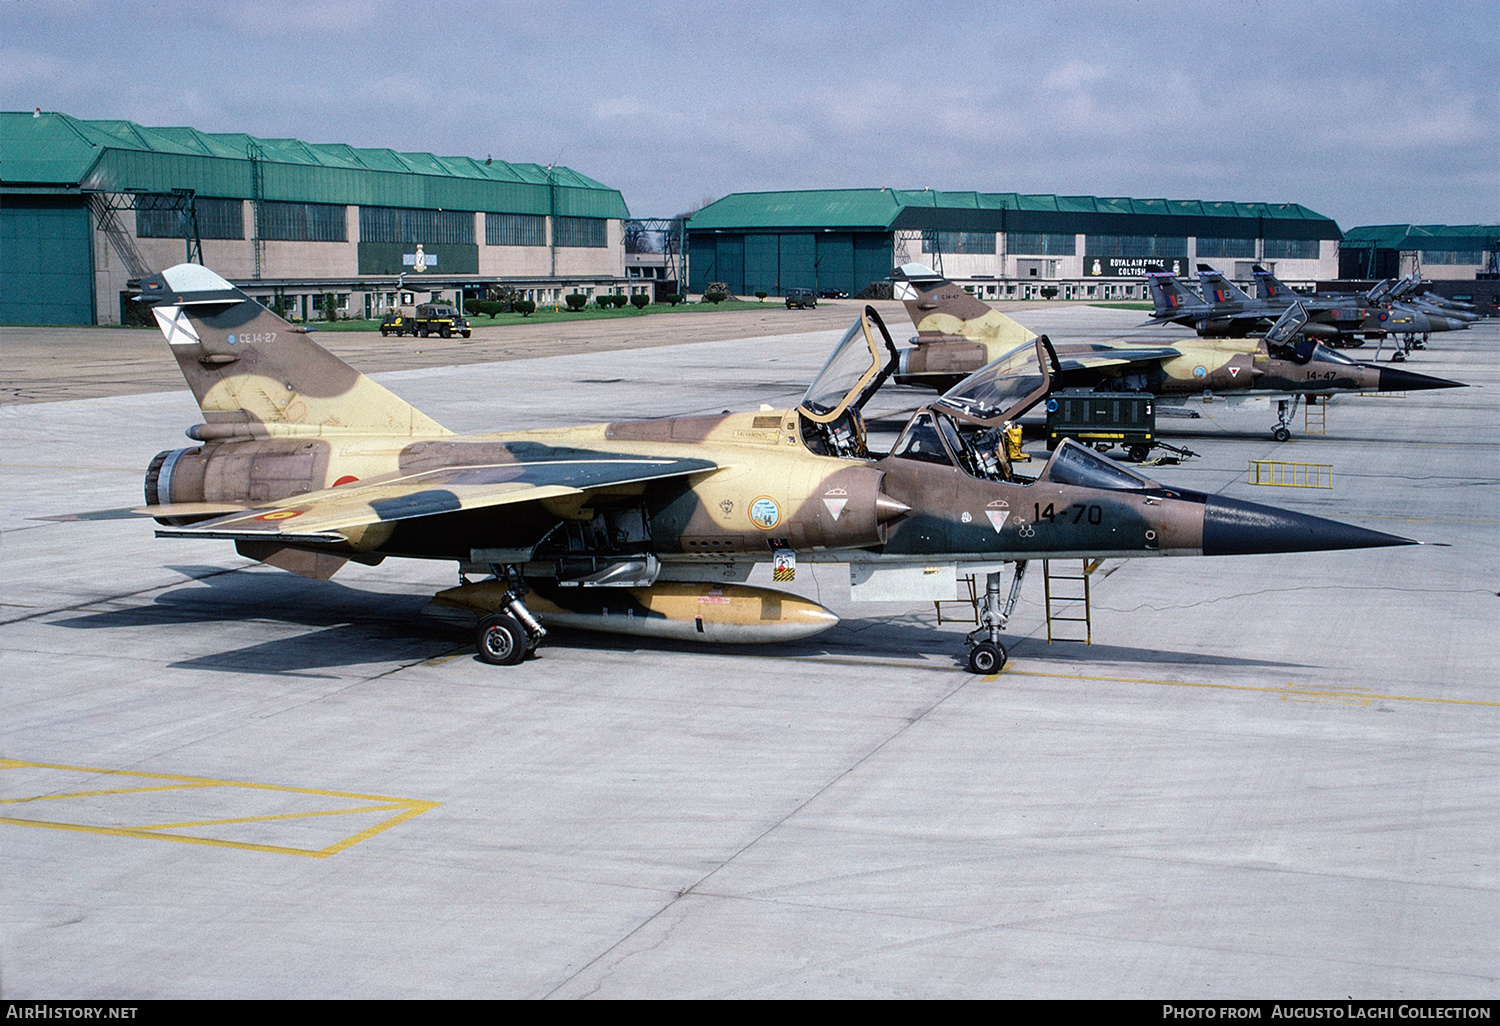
1284,411
511,633
988,655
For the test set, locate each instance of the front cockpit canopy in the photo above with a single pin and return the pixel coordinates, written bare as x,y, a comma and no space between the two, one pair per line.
863,359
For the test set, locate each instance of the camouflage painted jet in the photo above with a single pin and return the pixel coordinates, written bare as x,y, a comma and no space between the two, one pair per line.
647,527
955,331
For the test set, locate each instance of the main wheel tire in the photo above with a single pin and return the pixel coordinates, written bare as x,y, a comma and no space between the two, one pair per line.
986,657
501,640
384,332
1281,434
445,331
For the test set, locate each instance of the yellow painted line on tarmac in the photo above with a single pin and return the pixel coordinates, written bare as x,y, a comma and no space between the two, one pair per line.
404,809
1289,691
93,794
439,660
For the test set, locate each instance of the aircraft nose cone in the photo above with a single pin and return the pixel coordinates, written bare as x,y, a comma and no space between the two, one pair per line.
1393,379
1235,528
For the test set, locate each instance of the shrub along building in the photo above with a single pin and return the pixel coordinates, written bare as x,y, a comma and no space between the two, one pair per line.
89,207
1002,245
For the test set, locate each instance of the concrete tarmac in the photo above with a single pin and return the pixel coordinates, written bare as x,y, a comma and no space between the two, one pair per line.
1268,776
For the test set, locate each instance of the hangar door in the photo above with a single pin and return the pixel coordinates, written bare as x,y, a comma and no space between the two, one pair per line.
46,261
773,262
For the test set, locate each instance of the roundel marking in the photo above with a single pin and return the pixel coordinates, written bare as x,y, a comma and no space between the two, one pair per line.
1200,371
280,514
346,479
764,513
230,339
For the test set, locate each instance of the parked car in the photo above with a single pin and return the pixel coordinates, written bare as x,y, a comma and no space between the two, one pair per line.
800,298
833,294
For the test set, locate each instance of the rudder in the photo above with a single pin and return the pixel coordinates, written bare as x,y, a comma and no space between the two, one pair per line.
254,373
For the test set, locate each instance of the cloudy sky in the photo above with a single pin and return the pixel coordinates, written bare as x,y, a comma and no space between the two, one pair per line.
1368,111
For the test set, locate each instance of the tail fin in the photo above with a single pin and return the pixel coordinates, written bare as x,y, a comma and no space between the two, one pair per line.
253,373
939,308
1217,289
1170,297
1268,286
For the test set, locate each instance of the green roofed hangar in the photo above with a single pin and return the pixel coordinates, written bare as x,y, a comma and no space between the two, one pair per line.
1437,251
1003,245
87,207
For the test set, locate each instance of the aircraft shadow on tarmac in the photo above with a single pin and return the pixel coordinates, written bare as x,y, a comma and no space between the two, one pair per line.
348,627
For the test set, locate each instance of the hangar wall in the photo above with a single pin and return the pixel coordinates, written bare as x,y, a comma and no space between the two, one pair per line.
85,210
1004,245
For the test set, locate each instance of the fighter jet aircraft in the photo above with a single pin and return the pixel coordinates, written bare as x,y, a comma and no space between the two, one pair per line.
647,527
1285,366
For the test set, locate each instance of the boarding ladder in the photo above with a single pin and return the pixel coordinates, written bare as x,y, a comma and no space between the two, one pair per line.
1315,415
1061,594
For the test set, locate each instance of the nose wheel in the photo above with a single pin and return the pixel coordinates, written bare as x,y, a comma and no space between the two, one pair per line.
987,657
1282,432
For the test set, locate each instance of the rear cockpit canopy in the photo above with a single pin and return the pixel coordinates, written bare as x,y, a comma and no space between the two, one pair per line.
932,436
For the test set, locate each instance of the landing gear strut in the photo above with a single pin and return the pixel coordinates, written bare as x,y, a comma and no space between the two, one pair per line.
1284,411
988,655
512,632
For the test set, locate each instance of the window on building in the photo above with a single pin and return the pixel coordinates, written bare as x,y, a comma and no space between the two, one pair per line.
407,225
1291,249
1136,245
515,230
582,232
217,219
302,222
1452,256
957,242
1039,244
1226,249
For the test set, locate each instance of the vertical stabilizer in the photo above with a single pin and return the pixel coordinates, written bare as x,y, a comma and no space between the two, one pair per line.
254,373
938,308
1171,299
1268,286
1218,290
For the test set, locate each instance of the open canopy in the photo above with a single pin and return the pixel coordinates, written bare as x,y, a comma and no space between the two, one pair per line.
862,360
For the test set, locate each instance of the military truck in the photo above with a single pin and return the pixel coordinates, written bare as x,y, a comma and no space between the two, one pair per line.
439,319
400,321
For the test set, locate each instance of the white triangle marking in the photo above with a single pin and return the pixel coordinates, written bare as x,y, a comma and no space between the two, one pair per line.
997,517
835,506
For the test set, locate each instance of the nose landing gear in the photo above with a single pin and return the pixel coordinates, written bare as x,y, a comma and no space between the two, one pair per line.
986,653
1284,411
